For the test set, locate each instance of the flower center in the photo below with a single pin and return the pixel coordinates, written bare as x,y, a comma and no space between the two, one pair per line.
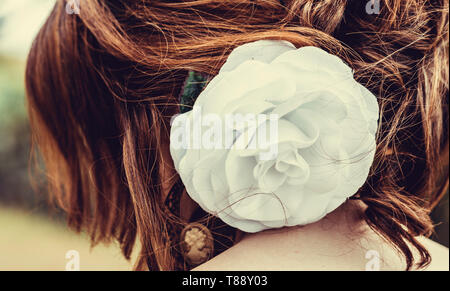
290,167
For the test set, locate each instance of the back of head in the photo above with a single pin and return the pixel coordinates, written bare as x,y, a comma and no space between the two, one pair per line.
102,86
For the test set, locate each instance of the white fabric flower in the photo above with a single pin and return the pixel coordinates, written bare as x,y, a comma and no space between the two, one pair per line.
327,124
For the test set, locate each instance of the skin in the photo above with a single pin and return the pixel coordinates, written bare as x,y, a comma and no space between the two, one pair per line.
339,241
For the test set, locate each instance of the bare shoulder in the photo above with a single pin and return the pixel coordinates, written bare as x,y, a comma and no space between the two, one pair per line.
237,257
439,255
249,256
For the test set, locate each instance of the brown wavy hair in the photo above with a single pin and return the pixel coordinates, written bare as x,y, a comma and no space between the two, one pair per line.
102,86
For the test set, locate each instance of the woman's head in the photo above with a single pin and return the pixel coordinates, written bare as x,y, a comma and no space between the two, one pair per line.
103,85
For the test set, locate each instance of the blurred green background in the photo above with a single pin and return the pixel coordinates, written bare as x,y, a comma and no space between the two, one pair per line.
32,237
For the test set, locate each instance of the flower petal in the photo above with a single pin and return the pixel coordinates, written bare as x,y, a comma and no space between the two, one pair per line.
263,50
315,59
324,140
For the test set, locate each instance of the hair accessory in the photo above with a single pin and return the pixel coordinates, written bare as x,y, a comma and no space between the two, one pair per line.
312,148
193,85
197,244
218,236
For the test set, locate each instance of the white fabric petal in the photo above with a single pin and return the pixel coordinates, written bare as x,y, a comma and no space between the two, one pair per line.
315,59
325,142
263,50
